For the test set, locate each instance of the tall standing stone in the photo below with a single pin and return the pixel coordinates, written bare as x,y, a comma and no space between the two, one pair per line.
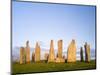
81,54
51,53
60,49
37,53
22,55
59,57
87,52
27,52
71,53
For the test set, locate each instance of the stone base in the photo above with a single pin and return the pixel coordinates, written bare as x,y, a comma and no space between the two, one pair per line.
28,62
50,61
59,60
69,61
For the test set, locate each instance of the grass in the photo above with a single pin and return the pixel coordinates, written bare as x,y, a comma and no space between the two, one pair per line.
51,67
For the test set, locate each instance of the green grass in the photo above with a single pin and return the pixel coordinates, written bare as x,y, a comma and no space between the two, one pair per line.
51,67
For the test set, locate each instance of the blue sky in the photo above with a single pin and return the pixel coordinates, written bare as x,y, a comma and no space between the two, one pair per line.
43,22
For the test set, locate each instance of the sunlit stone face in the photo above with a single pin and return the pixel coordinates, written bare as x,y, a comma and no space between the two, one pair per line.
27,52
71,54
37,53
51,53
22,55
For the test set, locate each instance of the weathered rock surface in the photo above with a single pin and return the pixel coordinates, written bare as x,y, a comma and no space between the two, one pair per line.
51,53
37,53
59,57
27,52
22,55
71,53
87,52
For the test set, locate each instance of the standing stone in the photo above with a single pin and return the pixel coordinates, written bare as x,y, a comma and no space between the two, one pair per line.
51,53
71,53
60,49
87,52
33,57
46,56
63,56
27,52
22,55
81,54
59,57
37,53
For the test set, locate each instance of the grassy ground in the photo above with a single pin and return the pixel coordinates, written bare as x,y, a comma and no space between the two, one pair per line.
51,67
